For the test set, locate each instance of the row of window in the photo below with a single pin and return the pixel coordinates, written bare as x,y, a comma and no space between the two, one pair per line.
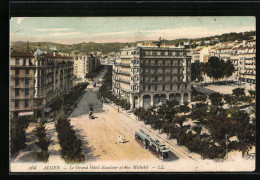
17,82
17,71
163,78
162,53
16,103
163,62
17,92
25,62
155,53
163,87
132,53
134,87
148,70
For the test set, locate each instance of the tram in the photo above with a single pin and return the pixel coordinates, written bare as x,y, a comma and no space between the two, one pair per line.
156,147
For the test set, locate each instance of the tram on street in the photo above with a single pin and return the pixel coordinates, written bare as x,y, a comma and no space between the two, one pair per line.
156,147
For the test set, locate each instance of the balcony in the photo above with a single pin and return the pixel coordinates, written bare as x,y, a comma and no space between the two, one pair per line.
20,96
162,65
19,108
124,65
123,72
122,80
23,66
166,56
22,86
22,76
135,64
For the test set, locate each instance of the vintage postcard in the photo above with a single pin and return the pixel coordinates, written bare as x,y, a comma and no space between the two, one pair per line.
132,94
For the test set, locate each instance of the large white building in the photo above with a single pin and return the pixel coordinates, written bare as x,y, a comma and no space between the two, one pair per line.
85,64
146,75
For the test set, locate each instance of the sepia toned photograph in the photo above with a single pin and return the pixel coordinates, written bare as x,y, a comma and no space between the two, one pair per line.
132,94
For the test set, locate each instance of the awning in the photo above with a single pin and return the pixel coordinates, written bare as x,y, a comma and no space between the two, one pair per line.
47,109
25,113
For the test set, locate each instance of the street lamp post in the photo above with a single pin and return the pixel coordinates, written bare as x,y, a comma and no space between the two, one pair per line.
226,146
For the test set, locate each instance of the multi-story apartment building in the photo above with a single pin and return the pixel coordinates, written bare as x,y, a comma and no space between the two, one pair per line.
241,53
247,64
85,64
80,67
37,79
146,75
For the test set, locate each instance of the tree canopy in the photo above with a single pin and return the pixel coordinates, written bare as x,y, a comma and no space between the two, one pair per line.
218,69
197,71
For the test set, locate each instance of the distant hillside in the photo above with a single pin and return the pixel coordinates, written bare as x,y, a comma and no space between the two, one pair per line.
106,48
223,38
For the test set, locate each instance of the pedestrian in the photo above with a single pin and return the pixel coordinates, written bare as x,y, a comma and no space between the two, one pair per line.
119,139
91,108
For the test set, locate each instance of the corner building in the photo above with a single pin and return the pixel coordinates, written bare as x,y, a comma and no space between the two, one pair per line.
37,79
147,75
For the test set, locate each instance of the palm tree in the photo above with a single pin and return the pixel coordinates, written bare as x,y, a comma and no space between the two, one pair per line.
180,120
228,99
184,108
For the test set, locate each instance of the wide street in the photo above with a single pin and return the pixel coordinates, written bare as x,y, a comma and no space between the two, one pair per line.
100,135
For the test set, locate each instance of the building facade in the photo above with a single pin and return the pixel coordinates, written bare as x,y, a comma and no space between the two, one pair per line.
79,67
85,64
241,53
149,75
37,79
243,57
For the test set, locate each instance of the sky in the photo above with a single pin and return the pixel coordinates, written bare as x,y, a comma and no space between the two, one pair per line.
72,30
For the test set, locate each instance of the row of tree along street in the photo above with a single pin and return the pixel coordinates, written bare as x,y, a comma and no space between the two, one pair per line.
105,91
214,68
213,127
71,148
94,72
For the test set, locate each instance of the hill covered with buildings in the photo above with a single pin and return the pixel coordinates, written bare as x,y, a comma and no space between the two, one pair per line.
106,48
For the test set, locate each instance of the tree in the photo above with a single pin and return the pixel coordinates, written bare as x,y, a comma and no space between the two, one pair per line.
229,69
180,120
252,93
43,143
166,112
228,99
199,97
239,92
17,134
199,112
216,99
196,71
197,129
184,108
215,68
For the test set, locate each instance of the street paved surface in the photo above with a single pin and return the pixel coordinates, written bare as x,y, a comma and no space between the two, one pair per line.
100,135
